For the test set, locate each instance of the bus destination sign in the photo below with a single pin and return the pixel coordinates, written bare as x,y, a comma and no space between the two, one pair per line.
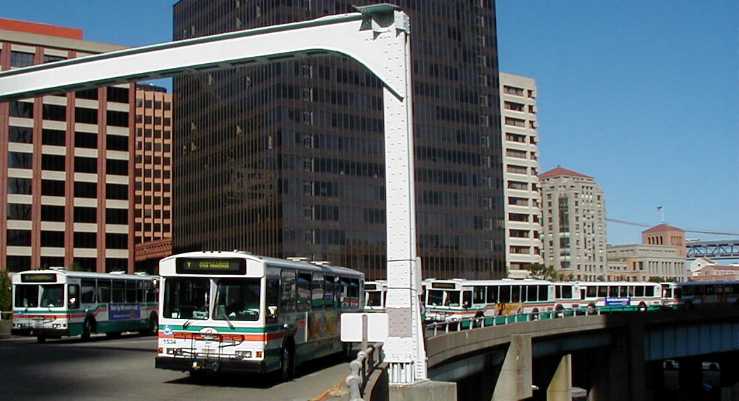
38,278
211,266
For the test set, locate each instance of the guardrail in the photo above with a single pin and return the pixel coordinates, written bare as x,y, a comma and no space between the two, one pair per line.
439,328
361,368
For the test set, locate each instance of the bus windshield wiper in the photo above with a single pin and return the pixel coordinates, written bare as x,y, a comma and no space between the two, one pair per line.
186,324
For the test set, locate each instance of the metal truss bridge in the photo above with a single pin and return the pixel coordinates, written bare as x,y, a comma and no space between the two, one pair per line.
723,249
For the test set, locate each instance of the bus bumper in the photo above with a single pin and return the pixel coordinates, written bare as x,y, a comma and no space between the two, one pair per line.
223,365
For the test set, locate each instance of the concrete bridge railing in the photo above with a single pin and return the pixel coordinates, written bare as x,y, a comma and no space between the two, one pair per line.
614,351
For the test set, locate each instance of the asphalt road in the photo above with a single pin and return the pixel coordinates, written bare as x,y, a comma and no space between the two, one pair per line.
123,369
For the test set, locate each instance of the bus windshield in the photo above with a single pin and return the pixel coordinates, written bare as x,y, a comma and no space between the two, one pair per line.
52,296
436,297
26,296
237,299
186,298
374,298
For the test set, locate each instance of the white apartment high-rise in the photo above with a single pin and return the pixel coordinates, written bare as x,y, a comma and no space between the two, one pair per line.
520,171
573,222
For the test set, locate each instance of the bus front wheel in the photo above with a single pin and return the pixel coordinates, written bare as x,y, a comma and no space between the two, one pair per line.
287,362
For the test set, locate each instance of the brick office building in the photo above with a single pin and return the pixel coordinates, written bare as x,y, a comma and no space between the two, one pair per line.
153,177
65,176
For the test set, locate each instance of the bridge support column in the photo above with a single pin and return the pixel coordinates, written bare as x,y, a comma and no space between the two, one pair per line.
560,387
691,378
622,375
515,379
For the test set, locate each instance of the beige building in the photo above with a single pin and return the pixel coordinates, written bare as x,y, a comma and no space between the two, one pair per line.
520,171
665,235
641,262
705,269
573,224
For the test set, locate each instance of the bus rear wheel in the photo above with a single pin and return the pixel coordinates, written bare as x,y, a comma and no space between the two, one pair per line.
642,307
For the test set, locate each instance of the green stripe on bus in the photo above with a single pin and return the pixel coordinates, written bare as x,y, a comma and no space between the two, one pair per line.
219,329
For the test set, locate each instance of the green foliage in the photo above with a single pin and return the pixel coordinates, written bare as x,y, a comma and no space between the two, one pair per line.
5,292
542,272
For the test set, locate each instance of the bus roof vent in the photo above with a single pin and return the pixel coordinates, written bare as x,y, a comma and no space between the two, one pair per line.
118,272
298,258
57,268
321,262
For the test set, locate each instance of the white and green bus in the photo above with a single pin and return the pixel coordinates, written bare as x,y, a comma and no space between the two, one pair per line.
375,294
233,311
456,299
55,303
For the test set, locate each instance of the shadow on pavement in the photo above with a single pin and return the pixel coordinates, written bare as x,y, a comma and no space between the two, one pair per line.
264,381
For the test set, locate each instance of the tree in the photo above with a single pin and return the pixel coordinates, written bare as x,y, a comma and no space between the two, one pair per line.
542,272
5,292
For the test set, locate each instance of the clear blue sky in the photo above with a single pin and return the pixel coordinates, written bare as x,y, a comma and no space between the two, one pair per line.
642,95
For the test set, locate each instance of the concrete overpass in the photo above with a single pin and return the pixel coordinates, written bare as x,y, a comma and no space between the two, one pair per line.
612,356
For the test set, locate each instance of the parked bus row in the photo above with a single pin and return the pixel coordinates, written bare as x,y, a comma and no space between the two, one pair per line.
449,300
221,311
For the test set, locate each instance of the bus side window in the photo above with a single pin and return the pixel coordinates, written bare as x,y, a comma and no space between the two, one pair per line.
104,291
649,291
351,291
505,294
272,297
516,294
479,295
303,284
140,291
88,291
131,291
288,295
328,292
316,289
150,292
492,296
558,291
119,292
543,293
73,295
567,292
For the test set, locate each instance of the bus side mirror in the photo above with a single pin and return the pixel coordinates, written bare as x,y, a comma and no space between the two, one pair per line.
272,312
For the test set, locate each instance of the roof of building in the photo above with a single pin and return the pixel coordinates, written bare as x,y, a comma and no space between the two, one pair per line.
662,228
40,29
561,171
